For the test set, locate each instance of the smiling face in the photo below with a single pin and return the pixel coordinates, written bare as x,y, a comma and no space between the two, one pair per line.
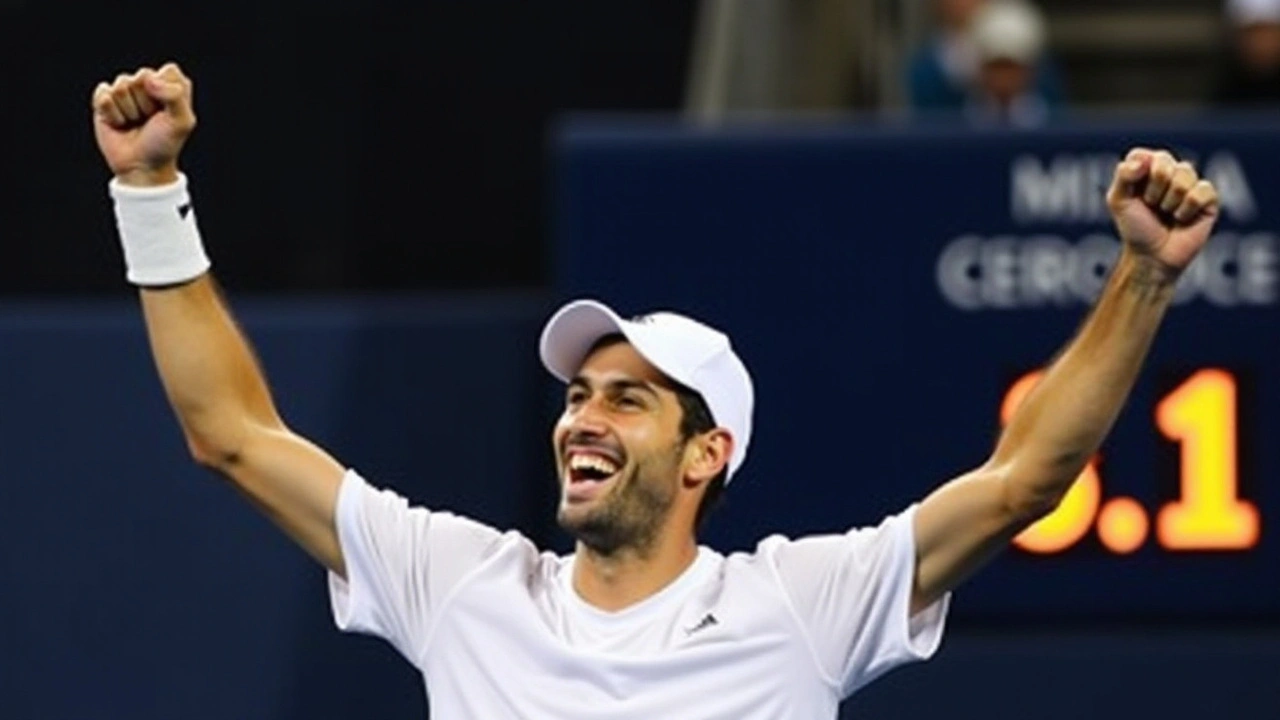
622,462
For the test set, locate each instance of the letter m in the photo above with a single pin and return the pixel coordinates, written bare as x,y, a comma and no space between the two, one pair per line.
1042,193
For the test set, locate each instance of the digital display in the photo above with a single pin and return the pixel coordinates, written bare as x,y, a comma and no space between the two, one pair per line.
1199,416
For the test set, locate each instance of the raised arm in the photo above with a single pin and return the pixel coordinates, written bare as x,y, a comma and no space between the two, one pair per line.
1164,214
212,380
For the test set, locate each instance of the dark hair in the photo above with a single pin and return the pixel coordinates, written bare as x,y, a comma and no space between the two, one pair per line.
695,419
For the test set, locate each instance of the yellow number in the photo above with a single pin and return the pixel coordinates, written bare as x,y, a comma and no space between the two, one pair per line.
1201,415
1073,517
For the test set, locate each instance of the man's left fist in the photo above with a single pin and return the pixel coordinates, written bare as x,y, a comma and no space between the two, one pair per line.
1161,207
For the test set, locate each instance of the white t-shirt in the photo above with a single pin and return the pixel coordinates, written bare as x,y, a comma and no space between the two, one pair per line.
497,630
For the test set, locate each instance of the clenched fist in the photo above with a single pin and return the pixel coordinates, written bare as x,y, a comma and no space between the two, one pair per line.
141,122
1162,209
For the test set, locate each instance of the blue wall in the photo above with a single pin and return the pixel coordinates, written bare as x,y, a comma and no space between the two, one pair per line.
1120,674
138,586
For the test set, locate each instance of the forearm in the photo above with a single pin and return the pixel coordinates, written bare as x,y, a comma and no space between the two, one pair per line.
1065,417
207,368
1164,213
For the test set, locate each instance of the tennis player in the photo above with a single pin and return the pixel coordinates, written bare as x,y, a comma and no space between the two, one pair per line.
640,621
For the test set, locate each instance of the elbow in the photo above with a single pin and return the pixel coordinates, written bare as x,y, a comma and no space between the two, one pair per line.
218,438
208,452
216,443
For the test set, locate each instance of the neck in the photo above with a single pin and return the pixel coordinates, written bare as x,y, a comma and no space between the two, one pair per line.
627,576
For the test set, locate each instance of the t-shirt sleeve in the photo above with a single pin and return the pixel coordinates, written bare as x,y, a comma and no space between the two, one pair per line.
401,564
852,594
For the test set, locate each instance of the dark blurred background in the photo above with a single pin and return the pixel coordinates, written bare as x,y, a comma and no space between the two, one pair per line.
327,128
347,146
891,205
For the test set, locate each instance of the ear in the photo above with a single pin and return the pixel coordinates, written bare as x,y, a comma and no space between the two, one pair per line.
706,456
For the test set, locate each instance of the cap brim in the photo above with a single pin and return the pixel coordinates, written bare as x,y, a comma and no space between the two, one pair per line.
570,333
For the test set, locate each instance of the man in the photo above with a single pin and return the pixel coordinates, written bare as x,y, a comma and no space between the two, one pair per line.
940,72
640,621
1009,39
1248,76
977,50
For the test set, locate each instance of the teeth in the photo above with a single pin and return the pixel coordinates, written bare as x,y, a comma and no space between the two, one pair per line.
592,462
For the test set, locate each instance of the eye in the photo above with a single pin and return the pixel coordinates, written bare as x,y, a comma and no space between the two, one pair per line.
575,396
630,401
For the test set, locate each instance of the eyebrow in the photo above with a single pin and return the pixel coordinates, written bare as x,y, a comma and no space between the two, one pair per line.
617,385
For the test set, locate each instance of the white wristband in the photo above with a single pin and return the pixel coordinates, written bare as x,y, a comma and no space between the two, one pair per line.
158,232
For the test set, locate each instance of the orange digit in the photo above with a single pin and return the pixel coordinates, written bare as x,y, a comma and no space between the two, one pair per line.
1201,415
1073,517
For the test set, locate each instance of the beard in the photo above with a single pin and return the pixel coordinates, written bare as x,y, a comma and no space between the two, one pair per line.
629,516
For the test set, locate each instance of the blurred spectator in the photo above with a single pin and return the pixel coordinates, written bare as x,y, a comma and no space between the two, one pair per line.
1250,75
941,72
945,73
1012,86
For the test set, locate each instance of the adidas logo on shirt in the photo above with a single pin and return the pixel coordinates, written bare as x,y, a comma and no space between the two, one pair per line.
707,621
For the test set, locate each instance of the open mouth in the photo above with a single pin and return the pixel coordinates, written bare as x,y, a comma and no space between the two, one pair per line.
587,472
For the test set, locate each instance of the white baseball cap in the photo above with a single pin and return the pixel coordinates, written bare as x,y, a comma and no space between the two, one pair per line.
1252,12
685,350
1008,30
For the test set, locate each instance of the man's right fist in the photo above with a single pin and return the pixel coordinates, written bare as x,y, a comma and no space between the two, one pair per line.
141,122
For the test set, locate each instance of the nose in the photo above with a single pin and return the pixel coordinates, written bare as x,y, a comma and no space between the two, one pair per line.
586,424
585,421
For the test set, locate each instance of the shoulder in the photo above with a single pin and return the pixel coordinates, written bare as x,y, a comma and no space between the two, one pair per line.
512,559
861,541
371,515
385,504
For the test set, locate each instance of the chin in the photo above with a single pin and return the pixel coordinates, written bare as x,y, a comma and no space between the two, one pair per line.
573,516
